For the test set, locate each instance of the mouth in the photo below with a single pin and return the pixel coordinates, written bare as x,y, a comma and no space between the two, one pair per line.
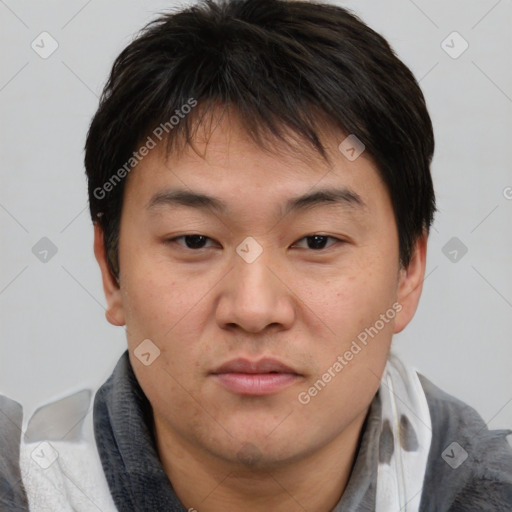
255,378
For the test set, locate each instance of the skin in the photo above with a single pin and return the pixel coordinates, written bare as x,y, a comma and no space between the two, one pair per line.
300,305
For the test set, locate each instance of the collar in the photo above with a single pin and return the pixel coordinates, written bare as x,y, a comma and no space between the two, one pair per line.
123,430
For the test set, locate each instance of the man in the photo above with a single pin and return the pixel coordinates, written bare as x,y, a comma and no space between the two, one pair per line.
260,189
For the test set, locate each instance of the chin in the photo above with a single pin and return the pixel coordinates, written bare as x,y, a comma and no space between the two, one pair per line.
263,450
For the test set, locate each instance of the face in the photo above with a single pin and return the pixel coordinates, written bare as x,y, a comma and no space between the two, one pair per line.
272,304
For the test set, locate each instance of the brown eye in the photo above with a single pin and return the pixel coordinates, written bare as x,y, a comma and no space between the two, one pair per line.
318,242
191,241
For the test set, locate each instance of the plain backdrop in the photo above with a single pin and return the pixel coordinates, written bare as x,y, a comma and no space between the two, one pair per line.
54,338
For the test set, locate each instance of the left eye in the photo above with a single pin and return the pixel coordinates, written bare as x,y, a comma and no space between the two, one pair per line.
314,242
317,242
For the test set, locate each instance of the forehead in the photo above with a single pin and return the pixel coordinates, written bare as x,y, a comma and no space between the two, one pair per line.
225,166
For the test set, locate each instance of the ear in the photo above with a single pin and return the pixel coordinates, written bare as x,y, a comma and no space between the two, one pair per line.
114,312
410,284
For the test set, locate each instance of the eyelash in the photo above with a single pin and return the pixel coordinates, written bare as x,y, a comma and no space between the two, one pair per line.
173,240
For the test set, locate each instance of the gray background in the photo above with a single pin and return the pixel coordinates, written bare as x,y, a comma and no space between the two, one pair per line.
54,339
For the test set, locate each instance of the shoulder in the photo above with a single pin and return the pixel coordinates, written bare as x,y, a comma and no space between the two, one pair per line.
57,462
469,466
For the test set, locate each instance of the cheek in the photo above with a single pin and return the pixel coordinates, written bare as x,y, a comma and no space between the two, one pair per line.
173,311
349,302
155,298
170,392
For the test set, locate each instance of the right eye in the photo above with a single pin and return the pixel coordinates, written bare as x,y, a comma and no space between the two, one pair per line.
192,241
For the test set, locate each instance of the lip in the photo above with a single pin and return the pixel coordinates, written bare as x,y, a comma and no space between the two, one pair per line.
256,378
265,365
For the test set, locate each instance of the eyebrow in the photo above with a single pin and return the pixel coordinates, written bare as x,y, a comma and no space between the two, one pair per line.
181,197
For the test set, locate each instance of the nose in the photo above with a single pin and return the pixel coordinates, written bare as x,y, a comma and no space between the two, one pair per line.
255,296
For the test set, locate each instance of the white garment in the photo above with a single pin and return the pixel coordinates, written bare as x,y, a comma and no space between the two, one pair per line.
73,482
400,482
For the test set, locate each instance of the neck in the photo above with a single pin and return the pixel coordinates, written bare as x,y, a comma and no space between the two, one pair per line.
314,482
